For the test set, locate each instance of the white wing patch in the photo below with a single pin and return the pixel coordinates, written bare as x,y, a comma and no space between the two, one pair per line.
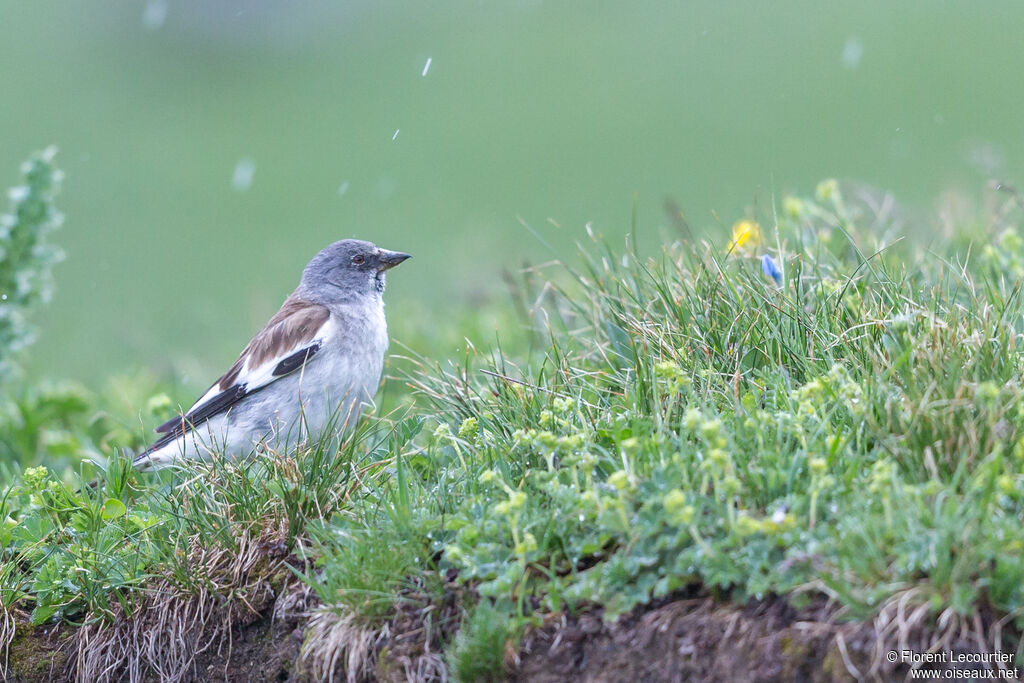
258,376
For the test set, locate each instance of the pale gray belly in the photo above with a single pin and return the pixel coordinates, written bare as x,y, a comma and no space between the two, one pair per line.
327,396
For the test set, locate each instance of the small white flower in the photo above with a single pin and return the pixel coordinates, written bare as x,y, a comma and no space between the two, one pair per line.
779,516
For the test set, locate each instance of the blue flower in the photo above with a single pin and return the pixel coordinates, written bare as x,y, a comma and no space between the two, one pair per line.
771,269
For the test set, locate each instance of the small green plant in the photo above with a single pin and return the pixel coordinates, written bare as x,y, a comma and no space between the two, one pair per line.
478,651
26,257
75,554
362,567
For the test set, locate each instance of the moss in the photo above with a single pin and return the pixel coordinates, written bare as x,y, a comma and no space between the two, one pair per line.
35,654
796,655
387,668
833,667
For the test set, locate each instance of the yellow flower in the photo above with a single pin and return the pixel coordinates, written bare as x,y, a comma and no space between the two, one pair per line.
827,190
792,206
674,501
745,234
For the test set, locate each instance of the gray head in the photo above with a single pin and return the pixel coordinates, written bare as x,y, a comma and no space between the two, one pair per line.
346,270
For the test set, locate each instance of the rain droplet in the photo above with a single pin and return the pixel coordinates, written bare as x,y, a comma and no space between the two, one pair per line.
426,67
343,188
984,157
396,133
245,169
853,51
155,14
3,297
385,187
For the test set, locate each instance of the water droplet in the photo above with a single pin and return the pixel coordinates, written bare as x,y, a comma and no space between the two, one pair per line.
342,189
853,51
396,133
155,14
984,156
582,518
426,67
3,297
245,169
385,187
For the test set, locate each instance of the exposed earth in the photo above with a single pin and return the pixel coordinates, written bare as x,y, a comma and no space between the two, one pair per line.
684,639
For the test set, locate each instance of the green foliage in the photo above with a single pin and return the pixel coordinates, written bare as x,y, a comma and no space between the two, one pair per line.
76,550
62,423
363,568
853,427
858,429
478,650
74,553
26,258
46,422
366,556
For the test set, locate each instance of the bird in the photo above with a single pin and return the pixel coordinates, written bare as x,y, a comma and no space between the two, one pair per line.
312,369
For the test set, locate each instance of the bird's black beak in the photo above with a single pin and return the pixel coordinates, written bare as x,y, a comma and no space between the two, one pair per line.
390,259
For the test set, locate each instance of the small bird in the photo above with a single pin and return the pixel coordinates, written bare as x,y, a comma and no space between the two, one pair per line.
314,366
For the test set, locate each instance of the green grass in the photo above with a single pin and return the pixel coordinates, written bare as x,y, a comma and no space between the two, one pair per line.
853,432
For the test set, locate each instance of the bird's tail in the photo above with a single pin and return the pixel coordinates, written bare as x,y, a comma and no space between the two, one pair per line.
153,458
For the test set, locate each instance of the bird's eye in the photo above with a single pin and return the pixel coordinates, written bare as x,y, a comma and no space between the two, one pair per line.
358,260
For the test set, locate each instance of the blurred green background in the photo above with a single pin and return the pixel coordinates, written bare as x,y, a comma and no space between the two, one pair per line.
211,148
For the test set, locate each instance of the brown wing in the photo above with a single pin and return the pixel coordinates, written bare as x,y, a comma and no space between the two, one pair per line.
287,343
297,322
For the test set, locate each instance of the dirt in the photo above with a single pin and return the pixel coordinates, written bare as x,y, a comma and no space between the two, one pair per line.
36,654
699,639
419,630
693,638
261,652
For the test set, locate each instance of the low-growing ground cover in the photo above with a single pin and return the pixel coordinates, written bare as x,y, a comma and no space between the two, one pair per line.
816,423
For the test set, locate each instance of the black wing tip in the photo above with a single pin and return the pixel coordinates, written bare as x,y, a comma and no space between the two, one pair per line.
296,360
181,424
169,426
143,457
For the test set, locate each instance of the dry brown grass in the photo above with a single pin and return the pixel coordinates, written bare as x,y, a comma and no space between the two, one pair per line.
341,646
174,626
8,629
338,641
904,623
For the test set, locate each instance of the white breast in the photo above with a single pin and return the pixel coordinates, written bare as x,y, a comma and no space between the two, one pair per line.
352,362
